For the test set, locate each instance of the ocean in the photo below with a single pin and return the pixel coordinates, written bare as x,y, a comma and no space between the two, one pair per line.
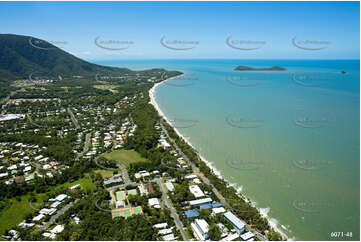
288,140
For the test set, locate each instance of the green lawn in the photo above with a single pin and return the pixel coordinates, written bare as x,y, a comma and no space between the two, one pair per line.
107,87
124,157
105,173
85,183
16,211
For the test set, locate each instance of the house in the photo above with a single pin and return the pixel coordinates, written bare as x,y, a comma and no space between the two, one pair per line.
47,211
168,237
200,228
55,204
190,176
49,235
196,191
23,224
39,217
26,169
57,229
153,203
218,210
231,237
170,186
115,179
191,213
160,226
198,202
165,231
249,236
238,224
61,197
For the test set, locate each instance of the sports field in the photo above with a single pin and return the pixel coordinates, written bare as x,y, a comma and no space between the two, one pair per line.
124,157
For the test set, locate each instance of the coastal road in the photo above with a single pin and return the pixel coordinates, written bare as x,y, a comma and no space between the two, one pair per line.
206,180
77,126
57,215
172,210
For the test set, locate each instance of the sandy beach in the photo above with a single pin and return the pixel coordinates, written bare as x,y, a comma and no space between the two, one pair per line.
263,211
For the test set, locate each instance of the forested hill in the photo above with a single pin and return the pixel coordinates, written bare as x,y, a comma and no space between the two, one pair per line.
22,55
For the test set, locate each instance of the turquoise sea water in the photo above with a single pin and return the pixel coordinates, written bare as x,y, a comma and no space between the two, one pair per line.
289,138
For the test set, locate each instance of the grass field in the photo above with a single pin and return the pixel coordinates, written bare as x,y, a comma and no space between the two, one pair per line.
124,157
16,211
105,173
107,87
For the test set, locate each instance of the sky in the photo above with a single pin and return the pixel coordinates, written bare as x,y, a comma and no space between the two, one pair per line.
146,30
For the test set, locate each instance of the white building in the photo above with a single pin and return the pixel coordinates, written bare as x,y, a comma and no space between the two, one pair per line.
196,191
170,186
199,202
61,197
238,224
160,226
247,236
218,210
200,228
154,202
57,229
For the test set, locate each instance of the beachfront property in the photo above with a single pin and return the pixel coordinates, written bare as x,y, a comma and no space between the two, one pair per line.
126,212
196,191
249,236
238,224
199,202
200,229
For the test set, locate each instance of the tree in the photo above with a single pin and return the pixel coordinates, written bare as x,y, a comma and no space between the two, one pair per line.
214,232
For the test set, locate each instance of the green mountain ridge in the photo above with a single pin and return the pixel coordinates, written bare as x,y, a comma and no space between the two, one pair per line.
20,56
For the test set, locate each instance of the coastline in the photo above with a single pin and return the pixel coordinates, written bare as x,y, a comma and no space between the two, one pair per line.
274,224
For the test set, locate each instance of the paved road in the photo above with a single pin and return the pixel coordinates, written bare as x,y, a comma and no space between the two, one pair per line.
206,180
86,145
57,215
77,126
172,210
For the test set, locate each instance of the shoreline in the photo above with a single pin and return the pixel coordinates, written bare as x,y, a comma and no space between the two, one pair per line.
274,224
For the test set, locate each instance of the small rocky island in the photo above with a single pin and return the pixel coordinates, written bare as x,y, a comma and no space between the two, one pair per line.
247,68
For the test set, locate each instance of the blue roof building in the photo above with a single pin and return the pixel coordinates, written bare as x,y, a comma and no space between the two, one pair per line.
191,213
